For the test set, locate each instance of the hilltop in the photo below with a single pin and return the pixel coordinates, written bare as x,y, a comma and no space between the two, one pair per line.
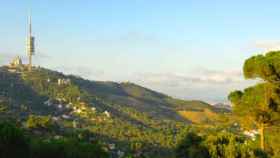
124,115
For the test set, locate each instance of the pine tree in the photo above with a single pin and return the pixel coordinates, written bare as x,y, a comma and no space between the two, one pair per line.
259,105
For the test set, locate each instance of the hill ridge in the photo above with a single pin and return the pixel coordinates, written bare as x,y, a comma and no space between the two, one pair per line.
115,112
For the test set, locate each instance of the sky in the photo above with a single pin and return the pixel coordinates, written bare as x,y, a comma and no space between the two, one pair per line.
190,49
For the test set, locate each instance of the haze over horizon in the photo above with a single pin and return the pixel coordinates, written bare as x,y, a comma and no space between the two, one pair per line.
186,49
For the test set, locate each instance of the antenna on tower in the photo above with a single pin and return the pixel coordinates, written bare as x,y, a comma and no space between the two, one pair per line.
30,43
30,24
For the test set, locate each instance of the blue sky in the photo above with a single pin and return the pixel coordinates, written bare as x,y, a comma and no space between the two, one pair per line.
186,48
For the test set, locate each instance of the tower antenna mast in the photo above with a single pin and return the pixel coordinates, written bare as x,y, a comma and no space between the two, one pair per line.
30,43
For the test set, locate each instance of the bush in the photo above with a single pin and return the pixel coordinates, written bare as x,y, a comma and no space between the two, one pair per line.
192,147
13,143
39,122
227,145
222,145
65,148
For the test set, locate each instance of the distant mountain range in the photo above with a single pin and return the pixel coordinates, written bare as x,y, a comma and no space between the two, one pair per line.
223,106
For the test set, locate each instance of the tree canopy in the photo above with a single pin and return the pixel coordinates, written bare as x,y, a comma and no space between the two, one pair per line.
259,105
265,67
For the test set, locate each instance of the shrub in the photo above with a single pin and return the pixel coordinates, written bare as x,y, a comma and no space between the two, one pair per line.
227,145
39,122
222,145
13,143
192,147
66,148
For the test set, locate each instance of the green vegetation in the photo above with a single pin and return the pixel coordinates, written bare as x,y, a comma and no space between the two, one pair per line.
128,119
259,105
43,122
15,144
192,146
56,115
66,148
222,145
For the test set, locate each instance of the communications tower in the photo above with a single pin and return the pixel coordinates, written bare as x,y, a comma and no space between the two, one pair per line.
30,45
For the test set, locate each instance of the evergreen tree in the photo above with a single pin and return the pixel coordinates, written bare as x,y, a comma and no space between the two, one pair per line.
259,105
192,147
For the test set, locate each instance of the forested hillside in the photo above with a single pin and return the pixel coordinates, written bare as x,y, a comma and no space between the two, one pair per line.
127,118
45,113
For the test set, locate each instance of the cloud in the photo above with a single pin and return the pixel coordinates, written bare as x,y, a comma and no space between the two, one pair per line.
203,76
268,45
202,84
220,77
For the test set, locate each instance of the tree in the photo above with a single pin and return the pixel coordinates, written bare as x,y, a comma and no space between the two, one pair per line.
228,145
192,147
3,108
66,148
259,105
13,143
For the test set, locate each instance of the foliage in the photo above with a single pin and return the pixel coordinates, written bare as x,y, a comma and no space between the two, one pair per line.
13,143
266,67
223,145
3,108
227,145
39,122
273,141
259,105
142,122
253,107
66,148
192,147
200,117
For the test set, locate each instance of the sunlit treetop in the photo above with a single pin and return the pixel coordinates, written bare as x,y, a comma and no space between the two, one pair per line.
266,67
260,104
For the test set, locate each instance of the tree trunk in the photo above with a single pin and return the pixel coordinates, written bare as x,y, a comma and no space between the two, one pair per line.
262,139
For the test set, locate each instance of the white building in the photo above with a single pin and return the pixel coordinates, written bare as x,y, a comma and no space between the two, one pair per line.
107,114
252,134
62,81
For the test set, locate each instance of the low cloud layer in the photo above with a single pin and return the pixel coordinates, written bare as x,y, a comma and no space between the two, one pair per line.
208,85
267,45
201,76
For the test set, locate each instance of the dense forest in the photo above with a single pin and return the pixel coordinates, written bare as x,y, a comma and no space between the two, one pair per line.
45,113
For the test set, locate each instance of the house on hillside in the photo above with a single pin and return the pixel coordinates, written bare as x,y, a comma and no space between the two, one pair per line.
251,134
62,81
107,114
